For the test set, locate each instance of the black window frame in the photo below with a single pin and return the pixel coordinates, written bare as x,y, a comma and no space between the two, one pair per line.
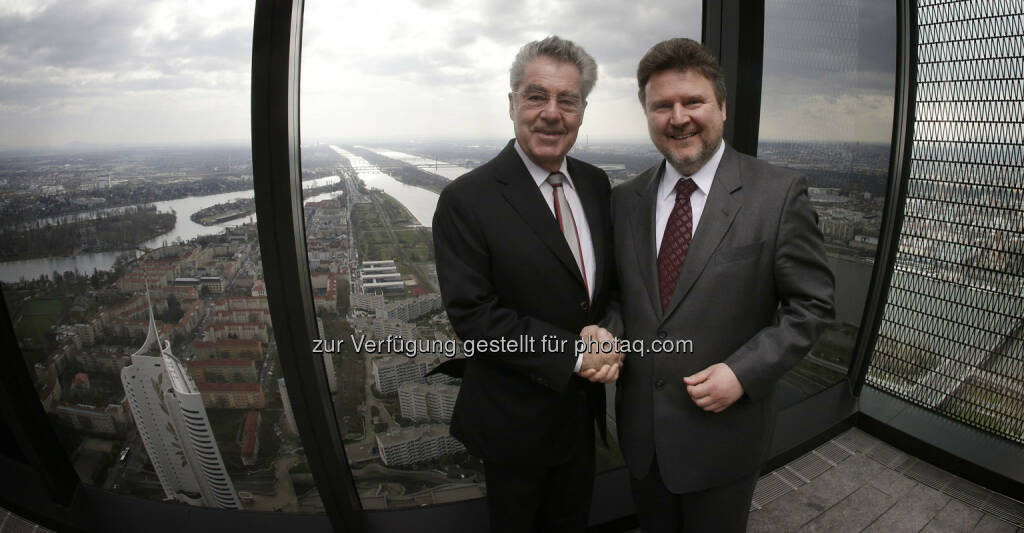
51,493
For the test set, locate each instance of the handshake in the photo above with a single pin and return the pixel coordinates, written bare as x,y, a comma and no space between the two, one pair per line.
599,366
713,389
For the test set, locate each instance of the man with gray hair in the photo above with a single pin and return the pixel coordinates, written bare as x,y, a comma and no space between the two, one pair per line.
523,247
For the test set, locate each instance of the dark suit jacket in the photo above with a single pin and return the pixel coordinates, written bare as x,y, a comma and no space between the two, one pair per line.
755,291
505,270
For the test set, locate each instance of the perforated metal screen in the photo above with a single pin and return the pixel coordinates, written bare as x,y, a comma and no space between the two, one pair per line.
952,329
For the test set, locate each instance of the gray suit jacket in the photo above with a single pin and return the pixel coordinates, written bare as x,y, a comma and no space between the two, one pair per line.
755,292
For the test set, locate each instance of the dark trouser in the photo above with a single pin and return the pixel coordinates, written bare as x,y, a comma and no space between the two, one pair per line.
557,498
718,509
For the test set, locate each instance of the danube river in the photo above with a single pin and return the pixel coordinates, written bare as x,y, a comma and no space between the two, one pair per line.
184,229
420,202
433,166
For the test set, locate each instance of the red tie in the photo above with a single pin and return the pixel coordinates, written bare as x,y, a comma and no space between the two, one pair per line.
676,241
567,223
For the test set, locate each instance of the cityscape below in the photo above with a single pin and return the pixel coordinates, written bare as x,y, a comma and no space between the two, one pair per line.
135,283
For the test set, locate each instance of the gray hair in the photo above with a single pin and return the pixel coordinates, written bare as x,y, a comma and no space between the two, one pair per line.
558,49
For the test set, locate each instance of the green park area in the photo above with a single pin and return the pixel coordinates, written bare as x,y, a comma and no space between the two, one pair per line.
396,213
33,322
383,232
39,314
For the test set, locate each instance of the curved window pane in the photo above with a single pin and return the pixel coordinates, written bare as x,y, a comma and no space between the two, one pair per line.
397,100
826,111
130,258
950,337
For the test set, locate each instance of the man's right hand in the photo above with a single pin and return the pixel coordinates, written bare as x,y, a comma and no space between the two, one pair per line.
598,366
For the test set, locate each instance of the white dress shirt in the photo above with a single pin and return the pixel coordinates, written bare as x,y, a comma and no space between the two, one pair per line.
666,200
540,176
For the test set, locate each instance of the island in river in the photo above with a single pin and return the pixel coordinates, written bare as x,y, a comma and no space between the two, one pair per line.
223,212
118,231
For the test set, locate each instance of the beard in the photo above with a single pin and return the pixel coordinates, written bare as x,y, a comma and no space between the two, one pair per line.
688,165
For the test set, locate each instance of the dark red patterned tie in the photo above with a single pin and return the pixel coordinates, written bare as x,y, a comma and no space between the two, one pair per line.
676,241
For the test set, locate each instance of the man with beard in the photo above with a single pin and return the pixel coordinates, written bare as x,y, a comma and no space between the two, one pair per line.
722,250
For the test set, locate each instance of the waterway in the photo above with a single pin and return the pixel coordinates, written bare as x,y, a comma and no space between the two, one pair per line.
441,168
852,276
420,202
184,229
320,182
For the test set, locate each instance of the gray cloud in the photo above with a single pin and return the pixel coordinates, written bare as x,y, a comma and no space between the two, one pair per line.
829,70
83,53
80,49
449,67
71,34
618,34
615,33
808,38
876,51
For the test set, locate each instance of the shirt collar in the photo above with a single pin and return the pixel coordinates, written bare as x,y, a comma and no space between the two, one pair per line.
540,175
703,178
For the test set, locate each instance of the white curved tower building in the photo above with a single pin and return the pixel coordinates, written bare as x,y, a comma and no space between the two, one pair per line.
172,423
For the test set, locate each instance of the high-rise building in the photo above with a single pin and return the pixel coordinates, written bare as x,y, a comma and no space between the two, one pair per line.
410,308
392,371
424,402
172,423
412,445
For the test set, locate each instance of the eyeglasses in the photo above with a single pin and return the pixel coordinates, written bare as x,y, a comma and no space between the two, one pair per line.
567,103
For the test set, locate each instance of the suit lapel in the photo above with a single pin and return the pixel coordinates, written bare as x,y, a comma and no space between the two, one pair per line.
720,209
522,193
642,220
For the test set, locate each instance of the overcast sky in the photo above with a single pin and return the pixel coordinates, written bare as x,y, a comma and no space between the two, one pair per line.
829,70
439,69
102,72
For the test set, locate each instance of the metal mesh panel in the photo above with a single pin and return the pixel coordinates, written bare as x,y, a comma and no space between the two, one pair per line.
952,332
927,474
768,489
1005,508
809,466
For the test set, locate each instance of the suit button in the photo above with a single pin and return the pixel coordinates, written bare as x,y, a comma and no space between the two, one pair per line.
583,305
662,334
660,384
